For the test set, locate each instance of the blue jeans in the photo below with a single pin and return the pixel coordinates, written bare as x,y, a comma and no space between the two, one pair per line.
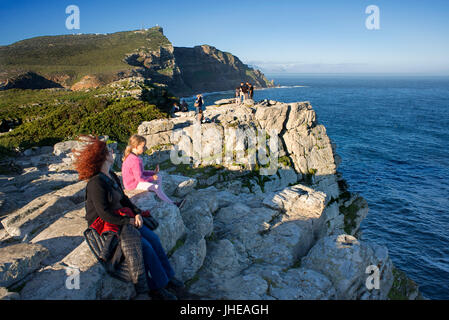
155,260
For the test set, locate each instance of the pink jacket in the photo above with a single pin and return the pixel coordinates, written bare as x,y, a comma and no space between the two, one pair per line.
133,173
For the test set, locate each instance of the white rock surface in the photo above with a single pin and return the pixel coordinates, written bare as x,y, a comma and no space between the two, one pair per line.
18,260
240,235
344,260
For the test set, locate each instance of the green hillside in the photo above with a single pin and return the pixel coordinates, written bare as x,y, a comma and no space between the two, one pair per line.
53,115
78,55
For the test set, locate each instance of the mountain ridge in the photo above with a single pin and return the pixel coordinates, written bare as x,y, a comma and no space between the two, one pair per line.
88,60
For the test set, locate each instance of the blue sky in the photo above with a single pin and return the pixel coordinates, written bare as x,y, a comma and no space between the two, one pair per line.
277,36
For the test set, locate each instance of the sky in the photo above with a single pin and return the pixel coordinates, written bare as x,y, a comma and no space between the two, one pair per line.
283,36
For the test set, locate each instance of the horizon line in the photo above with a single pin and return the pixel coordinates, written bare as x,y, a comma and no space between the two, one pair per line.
361,73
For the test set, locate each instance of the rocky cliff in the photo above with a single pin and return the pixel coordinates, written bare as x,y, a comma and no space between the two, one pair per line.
205,69
87,61
267,215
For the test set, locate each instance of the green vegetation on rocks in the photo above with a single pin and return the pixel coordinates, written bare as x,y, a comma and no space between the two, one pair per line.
178,244
308,177
350,216
403,288
256,177
50,115
285,160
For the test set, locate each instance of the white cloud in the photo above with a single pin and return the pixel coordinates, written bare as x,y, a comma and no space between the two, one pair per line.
303,67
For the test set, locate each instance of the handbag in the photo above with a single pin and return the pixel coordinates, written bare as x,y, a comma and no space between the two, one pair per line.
150,222
148,219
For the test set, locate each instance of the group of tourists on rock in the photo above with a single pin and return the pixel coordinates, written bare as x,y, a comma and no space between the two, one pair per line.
184,107
117,225
242,93
198,104
245,91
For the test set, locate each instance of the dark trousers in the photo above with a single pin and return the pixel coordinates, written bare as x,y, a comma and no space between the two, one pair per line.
155,259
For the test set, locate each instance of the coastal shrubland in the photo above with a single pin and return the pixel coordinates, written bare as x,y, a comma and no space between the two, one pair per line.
52,115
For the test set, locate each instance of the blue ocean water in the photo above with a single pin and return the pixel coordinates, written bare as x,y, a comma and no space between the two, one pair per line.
392,133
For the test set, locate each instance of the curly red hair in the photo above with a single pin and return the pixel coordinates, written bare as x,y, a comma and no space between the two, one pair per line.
90,158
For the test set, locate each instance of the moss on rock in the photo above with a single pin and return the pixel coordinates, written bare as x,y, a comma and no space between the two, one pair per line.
403,288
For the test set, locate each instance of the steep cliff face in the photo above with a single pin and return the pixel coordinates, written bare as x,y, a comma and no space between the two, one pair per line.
204,68
87,61
159,66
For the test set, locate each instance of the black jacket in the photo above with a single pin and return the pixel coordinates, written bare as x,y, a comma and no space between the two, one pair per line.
98,192
199,103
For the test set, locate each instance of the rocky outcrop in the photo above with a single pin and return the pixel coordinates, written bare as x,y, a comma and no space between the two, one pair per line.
344,260
304,152
18,260
86,82
246,231
206,69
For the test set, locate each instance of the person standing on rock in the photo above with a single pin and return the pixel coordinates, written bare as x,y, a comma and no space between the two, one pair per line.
135,177
244,91
199,108
250,90
238,99
105,200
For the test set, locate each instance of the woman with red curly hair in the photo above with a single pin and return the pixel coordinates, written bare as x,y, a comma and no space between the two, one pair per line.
105,198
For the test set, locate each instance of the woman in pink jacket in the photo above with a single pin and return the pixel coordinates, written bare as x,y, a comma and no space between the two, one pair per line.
135,177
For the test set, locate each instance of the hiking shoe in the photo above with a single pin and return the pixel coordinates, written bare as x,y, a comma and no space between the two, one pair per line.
162,294
181,203
175,284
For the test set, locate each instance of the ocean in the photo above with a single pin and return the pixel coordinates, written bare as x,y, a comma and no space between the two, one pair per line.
392,133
